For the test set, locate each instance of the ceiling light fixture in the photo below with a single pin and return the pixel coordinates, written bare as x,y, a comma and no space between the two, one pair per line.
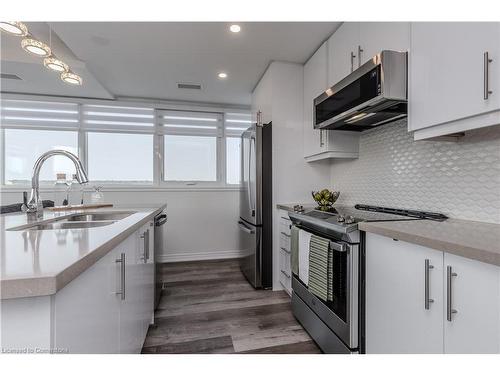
222,75
235,28
14,28
71,78
35,47
55,64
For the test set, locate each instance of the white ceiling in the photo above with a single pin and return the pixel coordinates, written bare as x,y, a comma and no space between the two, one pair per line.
35,78
147,60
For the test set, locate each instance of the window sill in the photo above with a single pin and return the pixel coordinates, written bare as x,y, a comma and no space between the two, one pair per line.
127,188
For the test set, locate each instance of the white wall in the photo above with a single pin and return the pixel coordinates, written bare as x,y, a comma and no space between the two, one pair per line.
201,224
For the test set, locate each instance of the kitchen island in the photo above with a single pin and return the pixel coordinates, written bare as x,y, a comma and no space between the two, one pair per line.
77,288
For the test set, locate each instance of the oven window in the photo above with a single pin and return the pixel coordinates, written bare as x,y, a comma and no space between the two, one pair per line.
339,285
363,89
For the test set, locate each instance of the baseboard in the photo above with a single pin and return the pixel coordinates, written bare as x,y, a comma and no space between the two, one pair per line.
208,255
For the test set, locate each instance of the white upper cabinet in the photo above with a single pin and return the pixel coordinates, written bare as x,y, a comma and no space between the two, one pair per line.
342,52
322,144
354,43
377,36
262,98
315,71
450,74
475,296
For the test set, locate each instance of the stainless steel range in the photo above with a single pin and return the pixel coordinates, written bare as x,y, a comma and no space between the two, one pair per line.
337,326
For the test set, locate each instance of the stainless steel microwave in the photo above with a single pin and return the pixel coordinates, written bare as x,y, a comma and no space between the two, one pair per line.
372,95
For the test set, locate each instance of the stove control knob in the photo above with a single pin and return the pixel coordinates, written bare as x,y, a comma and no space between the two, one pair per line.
349,219
340,218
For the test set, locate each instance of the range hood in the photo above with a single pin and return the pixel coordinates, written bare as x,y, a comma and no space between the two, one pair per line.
372,95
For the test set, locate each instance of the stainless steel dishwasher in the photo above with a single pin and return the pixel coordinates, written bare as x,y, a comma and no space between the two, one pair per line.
160,238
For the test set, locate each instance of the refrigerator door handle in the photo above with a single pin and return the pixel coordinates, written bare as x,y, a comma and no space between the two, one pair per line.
249,185
244,228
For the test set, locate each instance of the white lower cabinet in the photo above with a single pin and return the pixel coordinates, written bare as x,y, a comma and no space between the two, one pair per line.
475,296
398,319
87,310
106,309
285,276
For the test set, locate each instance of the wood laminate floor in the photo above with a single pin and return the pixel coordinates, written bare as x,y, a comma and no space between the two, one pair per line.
209,307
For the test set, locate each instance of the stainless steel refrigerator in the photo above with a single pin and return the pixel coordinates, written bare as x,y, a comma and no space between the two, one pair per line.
255,220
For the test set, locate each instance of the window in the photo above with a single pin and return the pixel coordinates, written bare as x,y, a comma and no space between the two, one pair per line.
190,158
190,145
115,157
233,161
121,143
23,147
235,124
32,128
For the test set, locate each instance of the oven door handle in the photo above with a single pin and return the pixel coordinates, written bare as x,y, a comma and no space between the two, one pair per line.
339,247
336,246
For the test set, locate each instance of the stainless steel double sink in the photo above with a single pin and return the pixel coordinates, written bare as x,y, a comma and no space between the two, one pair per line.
77,221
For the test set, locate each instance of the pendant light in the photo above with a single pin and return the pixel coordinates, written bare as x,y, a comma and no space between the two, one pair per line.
35,47
55,64
52,62
14,28
71,78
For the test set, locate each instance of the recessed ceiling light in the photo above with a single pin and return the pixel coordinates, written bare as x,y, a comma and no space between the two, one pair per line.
71,78
35,47
222,75
235,28
55,64
14,28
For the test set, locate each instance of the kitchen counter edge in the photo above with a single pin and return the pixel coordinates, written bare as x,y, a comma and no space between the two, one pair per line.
468,239
49,285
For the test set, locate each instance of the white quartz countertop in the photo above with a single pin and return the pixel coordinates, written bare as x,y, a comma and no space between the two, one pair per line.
41,262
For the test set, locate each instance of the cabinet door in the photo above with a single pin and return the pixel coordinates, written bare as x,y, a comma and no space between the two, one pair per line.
396,318
147,276
446,72
262,98
315,82
130,307
377,36
87,310
341,44
475,295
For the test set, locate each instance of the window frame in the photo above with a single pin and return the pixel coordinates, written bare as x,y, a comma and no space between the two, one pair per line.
158,182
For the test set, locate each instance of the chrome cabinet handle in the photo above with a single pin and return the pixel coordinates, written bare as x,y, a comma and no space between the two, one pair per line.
428,300
360,51
353,56
285,250
486,75
449,310
244,228
145,236
122,276
286,274
321,142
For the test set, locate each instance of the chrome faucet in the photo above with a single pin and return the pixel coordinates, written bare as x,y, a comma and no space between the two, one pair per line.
35,204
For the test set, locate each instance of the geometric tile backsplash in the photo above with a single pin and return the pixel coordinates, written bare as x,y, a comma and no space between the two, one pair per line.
460,179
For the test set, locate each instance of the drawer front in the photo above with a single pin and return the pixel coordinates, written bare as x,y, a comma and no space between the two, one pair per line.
285,271
284,242
285,226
